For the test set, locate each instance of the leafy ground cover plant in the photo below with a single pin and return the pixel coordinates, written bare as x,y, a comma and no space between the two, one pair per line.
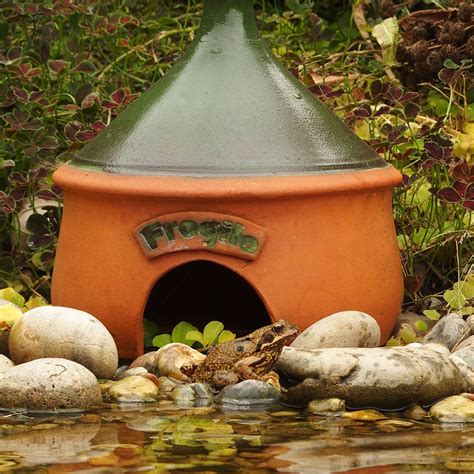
68,67
186,333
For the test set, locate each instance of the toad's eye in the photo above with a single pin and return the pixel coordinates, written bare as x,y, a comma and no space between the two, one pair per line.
278,328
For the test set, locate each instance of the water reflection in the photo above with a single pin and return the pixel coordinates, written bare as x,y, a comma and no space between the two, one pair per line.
162,438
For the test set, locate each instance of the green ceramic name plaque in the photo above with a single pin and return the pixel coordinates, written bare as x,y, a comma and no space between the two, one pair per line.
201,231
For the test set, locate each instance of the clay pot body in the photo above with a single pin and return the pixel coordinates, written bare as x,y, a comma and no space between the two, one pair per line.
327,244
228,159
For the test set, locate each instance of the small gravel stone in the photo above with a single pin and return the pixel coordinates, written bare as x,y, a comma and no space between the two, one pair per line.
365,415
120,371
174,360
191,392
456,409
129,372
166,385
147,360
134,389
326,406
415,412
247,393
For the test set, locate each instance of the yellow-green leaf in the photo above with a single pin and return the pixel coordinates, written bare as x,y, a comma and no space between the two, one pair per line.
421,326
9,313
454,298
387,33
13,296
212,331
161,340
196,336
225,336
408,335
392,342
432,314
35,302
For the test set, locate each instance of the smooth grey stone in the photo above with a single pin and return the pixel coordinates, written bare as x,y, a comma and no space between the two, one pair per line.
49,384
464,361
469,342
466,354
248,393
448,331
343,329
470,322
378,377
66,333
5,363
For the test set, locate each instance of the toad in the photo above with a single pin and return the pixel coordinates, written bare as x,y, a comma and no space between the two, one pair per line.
249,357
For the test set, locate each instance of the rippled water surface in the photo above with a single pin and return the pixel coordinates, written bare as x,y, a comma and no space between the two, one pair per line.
162,437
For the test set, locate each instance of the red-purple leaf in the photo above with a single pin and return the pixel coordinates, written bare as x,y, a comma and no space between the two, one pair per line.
448,194
119,96
48,143
57,65
89,100
14,53
412,110
85,67
108,105
98,126
85,135
70,130
464,172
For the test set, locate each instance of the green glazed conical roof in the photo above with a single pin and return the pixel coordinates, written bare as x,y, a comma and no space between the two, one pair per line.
227,108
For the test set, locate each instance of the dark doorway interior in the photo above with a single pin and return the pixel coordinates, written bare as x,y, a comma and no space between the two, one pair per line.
201,291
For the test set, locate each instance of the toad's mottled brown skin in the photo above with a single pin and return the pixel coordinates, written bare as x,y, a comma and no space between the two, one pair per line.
249,357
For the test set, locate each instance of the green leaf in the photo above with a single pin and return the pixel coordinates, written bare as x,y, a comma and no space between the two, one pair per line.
455,298
467,310
421,326
161,340
408,335
180,331
225,336
13,296
212,331
196,336
450,64
432,314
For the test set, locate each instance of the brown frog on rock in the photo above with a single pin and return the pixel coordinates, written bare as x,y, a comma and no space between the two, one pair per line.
249,357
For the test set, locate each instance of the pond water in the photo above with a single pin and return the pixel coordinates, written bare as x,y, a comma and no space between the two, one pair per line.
163,437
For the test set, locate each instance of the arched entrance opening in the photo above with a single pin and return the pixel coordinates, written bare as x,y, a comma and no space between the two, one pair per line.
203,291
